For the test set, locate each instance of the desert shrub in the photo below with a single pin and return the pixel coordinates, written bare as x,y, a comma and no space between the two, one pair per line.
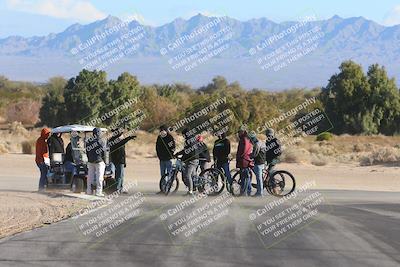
25,111
295,156
16,128
384,155
3,149
319,160
323,148
28,147
325,136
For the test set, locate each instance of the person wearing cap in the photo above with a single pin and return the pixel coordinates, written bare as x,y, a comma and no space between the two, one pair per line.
95,149
42,157
243,159
204,153
165,148
258,155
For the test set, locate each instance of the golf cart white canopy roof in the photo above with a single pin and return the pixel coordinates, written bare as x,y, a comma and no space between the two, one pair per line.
75,128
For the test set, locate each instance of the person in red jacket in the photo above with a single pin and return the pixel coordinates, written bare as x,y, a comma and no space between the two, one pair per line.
42,157
243,159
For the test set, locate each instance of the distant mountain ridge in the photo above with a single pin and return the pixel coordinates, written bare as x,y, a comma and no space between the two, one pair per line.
352,38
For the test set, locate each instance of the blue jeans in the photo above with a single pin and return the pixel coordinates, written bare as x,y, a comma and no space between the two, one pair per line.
70,167
258,170
43,175
189,172
225,167
165,167
245,175
119,175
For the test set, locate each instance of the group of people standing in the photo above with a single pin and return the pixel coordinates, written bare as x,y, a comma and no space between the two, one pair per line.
95,148
252,154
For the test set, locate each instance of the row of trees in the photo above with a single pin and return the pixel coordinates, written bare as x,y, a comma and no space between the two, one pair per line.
355,102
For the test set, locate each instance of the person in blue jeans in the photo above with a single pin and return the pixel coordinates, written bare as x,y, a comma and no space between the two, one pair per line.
42,157
221,151
258,155
243,159
165,148
118,156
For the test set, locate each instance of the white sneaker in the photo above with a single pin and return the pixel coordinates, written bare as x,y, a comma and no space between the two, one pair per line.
99,194
124,191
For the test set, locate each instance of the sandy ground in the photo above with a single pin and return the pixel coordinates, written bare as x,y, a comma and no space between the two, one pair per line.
21,208
21,211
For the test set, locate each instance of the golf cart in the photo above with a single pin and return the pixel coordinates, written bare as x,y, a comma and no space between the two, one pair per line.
72,172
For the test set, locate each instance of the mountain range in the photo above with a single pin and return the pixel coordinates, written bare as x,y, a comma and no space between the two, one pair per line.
258,53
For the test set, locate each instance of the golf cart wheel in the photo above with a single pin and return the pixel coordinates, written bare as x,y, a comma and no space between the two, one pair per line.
77,185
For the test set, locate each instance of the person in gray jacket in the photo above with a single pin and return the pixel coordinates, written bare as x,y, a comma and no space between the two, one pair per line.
258,156
95,149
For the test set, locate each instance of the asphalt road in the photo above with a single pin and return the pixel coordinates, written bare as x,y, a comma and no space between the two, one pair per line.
328,228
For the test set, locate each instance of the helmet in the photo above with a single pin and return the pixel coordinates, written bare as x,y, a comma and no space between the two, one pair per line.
96,132
200,138
253,136
269,132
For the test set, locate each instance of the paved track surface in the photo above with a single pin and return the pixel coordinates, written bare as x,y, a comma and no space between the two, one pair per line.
349,228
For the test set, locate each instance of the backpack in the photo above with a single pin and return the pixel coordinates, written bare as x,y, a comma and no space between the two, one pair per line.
262,154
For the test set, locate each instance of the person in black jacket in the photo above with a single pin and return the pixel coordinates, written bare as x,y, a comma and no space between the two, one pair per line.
165,148
273,147
204,154
56,144
221,151
190,157
69,164
118,156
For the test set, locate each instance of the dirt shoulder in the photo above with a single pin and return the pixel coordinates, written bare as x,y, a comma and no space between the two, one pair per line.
22,211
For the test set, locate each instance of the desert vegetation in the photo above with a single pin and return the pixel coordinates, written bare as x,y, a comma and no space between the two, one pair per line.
363,107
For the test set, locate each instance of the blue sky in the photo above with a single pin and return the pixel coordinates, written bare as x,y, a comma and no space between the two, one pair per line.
40,17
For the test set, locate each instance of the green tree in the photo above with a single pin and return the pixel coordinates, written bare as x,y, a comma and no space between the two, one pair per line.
384,101
120,97
83,96
346,100
52,111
